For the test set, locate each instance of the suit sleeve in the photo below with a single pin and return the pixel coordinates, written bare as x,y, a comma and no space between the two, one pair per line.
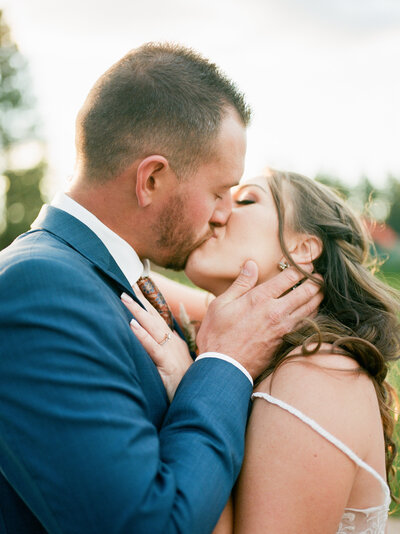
76,440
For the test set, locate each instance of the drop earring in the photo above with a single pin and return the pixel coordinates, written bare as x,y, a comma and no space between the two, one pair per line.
283,265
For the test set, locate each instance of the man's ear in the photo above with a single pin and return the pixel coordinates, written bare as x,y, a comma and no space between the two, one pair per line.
305,248
149,178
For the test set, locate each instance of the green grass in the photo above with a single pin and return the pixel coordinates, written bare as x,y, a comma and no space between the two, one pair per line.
392,279
177,276
394,379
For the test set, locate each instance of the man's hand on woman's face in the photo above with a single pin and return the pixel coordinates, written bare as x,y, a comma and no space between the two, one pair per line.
248,322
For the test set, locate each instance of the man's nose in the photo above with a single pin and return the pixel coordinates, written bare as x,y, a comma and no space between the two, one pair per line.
222,210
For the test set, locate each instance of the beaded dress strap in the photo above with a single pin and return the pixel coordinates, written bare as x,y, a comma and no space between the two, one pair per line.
328,436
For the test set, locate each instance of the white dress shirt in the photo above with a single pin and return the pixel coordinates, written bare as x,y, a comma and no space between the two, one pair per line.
124,255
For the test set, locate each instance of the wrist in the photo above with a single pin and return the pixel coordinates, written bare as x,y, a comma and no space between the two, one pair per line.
226,358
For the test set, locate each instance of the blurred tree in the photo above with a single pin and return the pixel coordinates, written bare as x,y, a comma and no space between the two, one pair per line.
393,193
335,183
23,201
366,199
365,190
20,186
363,196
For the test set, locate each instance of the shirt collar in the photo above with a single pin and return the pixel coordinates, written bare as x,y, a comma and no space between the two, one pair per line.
124,255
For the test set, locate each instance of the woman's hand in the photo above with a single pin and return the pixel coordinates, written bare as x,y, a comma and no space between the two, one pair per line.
168,351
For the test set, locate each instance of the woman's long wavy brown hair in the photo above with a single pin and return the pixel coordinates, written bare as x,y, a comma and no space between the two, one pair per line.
359,313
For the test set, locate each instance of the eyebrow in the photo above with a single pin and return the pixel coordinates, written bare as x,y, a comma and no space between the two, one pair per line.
243,186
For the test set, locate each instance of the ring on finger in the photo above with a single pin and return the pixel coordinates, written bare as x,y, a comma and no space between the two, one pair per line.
166,338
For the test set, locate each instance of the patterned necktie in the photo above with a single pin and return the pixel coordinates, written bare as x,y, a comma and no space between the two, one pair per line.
156,299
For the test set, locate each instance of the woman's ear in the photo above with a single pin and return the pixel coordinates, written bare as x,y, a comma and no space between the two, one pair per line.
305,248
148,176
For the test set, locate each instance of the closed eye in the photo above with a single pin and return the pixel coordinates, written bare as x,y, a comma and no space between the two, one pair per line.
245,202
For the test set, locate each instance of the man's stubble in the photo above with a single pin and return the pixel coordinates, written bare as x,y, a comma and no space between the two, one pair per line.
176,236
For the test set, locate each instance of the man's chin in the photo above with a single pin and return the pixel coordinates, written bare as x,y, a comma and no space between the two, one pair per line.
176,266
176,260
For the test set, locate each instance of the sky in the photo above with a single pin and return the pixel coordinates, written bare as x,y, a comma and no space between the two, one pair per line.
322,76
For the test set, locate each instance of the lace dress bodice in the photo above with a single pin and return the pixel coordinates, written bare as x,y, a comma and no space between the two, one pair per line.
354,521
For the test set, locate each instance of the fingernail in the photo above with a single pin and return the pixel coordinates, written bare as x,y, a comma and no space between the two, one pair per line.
250,268
134,323
245,271
126,298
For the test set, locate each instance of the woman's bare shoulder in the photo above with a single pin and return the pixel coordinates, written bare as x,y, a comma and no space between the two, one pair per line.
329,388
322,367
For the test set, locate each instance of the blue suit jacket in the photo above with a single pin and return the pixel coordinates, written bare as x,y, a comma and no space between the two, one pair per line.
88,440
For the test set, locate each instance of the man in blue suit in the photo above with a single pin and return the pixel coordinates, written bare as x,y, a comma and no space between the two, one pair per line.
89,442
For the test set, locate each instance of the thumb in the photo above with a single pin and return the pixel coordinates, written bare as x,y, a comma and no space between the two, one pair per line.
246,280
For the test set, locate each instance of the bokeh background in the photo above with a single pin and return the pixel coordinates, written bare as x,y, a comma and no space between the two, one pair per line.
322,77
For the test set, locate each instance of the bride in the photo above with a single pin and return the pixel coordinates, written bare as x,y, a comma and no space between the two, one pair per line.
319,443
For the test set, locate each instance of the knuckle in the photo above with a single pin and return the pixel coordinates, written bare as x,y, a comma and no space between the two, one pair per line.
256,299
275,317
309,310
292,275
306,311
312,306
260,296
284,328
308,290
242,283
144,336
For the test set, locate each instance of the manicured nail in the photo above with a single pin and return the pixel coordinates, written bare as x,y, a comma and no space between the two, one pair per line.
245,271
134,323
248,269
126,298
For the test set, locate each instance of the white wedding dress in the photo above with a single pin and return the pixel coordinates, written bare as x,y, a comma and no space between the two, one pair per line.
365,521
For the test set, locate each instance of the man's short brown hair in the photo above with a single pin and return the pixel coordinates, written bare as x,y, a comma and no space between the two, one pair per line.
158,99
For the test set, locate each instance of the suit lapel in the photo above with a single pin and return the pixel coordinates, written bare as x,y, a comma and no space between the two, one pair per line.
81,238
